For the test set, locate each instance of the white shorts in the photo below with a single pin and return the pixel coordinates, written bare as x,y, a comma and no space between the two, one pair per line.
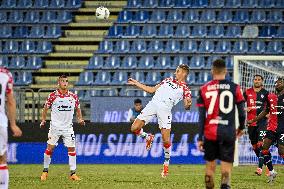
67,136
3,140
151,110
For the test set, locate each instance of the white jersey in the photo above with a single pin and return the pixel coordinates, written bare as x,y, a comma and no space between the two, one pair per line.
6,87
62,109
170,93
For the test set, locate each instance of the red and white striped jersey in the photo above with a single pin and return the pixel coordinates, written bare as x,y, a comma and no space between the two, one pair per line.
62,109
6,86
171,92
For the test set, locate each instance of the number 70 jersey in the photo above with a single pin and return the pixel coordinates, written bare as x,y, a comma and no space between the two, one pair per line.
219,98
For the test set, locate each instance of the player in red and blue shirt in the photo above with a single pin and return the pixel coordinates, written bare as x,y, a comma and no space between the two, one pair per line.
217,130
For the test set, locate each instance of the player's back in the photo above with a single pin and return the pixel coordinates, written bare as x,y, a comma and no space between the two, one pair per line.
219,98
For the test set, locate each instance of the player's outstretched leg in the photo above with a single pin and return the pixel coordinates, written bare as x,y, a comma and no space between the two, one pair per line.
167,151
137,129
4,173
46,161
72,163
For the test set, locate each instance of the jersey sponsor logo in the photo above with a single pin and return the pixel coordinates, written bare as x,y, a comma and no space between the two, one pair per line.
219,120
63,108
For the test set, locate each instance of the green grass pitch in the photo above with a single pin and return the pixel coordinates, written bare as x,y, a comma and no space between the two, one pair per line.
135,176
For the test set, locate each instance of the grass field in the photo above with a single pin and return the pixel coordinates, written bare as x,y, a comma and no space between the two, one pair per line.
134,176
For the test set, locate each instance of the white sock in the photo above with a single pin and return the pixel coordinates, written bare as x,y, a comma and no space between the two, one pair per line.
167,153
46,159
4,176
142,134
72,160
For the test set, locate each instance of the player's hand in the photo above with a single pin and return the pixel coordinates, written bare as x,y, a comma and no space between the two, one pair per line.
200,145
42,124
17,132
132,81
239,133
81,122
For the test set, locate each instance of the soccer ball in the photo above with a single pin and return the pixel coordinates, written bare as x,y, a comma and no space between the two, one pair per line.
102,13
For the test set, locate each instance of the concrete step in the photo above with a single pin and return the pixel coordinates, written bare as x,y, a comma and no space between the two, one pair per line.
55,70
66,64
108,4
73,54
85,33
76,48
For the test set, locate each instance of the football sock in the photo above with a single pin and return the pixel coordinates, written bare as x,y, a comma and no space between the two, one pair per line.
46,159
4,176
266,159
225,186
72,160
141,133
167,153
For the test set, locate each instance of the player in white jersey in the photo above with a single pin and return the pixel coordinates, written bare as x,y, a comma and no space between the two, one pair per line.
6,91
62,103
167,94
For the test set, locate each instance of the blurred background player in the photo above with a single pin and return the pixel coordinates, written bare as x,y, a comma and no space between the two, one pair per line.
6,91
167,94
256,98
275,128
217,131
135,111
62,103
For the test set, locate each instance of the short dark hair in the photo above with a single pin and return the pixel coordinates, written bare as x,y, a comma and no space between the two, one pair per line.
258,75
137,101
184,67
219,65
62,76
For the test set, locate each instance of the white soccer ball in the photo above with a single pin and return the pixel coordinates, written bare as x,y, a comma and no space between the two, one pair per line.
102,13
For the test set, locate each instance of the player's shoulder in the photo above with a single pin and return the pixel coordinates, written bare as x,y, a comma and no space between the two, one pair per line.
263,90
74,95
53,94
272,95
6,71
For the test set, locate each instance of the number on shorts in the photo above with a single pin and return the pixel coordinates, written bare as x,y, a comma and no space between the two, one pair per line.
262,133
282,137
214,94
72,136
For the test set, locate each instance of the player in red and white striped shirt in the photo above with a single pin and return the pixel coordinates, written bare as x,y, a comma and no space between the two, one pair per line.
62,103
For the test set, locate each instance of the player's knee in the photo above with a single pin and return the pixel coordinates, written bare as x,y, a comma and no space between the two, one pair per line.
265,152
3,159
135,127
209,182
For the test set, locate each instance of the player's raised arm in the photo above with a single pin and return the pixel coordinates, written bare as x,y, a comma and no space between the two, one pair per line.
145,88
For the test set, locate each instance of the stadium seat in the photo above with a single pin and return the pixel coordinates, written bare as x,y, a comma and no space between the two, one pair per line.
56,3
200,3
166,3
8,4
105,47
63,17
210,61
73,4
168,75
125,16
11,47
183,3
217,3
149,30
103,78
24,78
141,16
115,31
139,76
158,16
225,16
150,3
146,62
223,47
275,16
257,47
48,17
141,93
134,3
182,31
172,46
199,31
32,17
155,46
25,4
249,4
174,16
279,3
233,4
112,62
267,31
20,32
17,62
163,62
127,92
258,16
95,62
33,63
122,46
40,3
153,78
197,62
203,77
208,16
206,46
3,17
110,92
4,61
189,46
27,47
138,46
233,31
37,31
216,31
240,47
166,30
241,16
132,31
129,62
53,31
266,3
86,78
15,16
280,31
274,47
229,62
44,47
119,78
191,79
5,31
178,60
191,16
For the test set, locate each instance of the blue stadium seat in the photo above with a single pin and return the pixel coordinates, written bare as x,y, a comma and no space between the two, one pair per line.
134,3
217,3
115,31
56,3
206,46
183,3
141,16
225,16
103,78
24,78
233,31
200,3
191,16
240,47
280,31
229,62
241,16
146,62
15,16
125,16
274,47
5,31
257,47
166,30
267,31
73,4
153,78
11,47
129,62
127,92
223,47
33,63
279,3
182,30
155,46
168,75
44,47
191,79
199,31
149,30
150,3
216,31
122,46
17,62
37,31
32,17
258,16
132,31
8,4
197,62
233,4
20,32
275,16
86,78
139,76
63,17
53,31
203,77
266,3
25,4
163,62
166,3
41,3
178,60
158,16
48,17
249,4
105,47
112,62
110,92
174,16
208,16
3,17
119,78
210,61
95,62
142,93
189,46
138,46
4,61
27,47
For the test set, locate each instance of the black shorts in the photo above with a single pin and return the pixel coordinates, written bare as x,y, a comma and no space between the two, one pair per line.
276,137
222,150
256,133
